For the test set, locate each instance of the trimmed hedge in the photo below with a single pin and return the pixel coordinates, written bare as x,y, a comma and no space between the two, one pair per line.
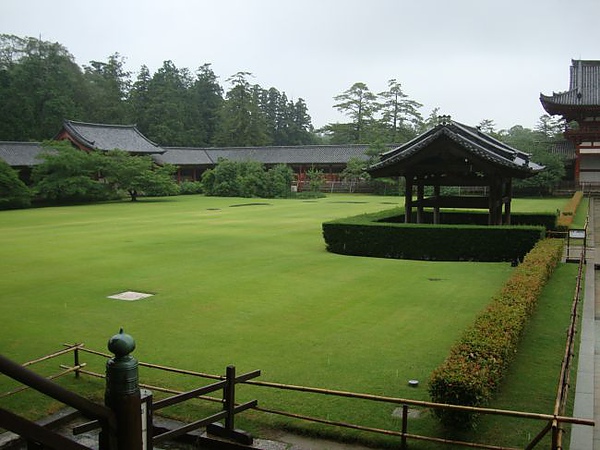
479,360
568,213
376,236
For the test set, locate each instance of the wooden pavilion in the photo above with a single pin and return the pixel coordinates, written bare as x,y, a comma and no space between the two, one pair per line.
453,154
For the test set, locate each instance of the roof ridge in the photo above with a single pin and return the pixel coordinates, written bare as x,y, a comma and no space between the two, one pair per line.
104,125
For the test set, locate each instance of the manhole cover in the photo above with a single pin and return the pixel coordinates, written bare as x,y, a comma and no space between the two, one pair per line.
130,296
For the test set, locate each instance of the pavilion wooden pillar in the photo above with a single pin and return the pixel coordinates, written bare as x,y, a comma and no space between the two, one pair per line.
507,199
436,206
420,198
408,202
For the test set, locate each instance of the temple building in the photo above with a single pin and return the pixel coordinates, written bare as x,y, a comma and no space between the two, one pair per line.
580,107
190,162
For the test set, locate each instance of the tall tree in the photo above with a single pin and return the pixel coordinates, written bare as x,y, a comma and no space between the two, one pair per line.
167,96
139,100
550,127
487,126
359,104
400,115
205,99
242,123
108,84
40,86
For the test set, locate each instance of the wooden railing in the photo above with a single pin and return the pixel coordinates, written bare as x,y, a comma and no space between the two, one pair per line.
38,434
552,424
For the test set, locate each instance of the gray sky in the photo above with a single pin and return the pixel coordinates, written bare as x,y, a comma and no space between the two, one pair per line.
474,59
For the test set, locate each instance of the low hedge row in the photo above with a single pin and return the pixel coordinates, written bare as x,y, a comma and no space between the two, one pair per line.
372,235
568,213
479,360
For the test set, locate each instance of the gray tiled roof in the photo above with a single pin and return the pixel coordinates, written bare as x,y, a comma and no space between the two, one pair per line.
304,154
21,154
468,138
109,137
184,156
584,87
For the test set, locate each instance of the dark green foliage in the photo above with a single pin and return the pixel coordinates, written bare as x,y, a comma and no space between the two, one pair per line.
279,181
480,359
190,188
41,85
537,143
13,192
69,175
369,235
247,179
138,175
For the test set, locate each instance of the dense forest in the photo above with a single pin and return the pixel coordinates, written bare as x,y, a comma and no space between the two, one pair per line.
40,85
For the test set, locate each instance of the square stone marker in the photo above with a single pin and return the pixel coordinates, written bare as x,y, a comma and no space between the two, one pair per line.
130,296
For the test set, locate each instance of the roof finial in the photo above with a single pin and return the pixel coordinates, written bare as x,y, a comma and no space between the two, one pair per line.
444,120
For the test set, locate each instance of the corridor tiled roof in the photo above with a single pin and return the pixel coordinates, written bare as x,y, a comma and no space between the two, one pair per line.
21,154
302,154
106,137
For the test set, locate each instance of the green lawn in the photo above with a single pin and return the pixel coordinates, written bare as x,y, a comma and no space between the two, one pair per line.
239,281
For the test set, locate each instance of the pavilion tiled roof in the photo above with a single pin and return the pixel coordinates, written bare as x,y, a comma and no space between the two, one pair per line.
21,154
303,154
470,139
106,137
584,87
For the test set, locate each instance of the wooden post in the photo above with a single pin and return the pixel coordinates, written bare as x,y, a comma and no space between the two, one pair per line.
408,199
229,398
228,430
123,394
436,207
404,425
76,360
420,198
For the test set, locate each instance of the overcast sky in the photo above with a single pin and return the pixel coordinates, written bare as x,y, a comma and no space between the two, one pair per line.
474,59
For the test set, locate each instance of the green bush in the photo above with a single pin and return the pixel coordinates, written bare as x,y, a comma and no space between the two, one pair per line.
190,187
478,362
372,235
567,214
247,179
13,192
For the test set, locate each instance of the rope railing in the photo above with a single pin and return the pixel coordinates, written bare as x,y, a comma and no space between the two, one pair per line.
553,422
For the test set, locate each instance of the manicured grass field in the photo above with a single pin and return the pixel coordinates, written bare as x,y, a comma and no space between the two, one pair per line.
238,281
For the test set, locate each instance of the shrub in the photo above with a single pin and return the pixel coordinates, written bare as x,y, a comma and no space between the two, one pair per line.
190,187
478,362
567,214
372,235
247,179
13,192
